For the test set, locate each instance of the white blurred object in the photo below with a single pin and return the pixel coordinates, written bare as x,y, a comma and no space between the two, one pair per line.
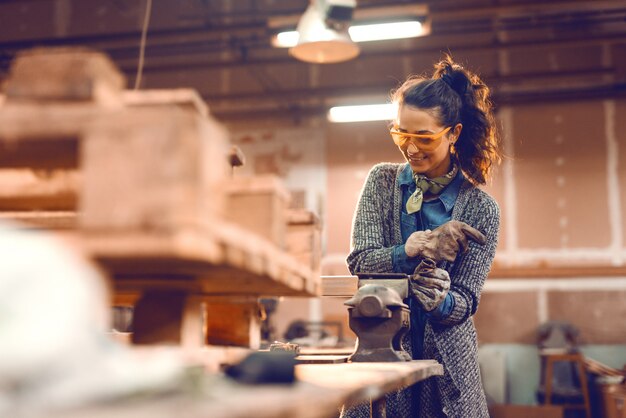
492,363
52,303
54,314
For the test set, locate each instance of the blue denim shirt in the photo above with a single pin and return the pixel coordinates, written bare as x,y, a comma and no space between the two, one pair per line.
433,214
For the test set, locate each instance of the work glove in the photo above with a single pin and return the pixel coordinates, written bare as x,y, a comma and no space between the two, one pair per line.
429,284
444,242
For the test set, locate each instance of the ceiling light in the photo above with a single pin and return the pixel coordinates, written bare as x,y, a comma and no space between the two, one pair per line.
285,39
383,31
378,23
363,33
362,113
323,33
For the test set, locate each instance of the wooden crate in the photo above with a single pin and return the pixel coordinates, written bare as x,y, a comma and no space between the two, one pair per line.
260,205
67,74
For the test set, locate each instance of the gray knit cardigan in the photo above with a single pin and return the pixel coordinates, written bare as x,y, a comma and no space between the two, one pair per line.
451,341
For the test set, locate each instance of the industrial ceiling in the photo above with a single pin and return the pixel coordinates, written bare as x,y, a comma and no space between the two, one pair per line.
527,50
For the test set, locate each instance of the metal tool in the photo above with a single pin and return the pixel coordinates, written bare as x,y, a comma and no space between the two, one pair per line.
379,317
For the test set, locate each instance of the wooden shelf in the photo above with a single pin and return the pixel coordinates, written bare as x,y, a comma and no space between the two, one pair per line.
215,259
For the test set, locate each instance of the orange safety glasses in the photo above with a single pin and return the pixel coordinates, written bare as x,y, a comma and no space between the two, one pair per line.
425,142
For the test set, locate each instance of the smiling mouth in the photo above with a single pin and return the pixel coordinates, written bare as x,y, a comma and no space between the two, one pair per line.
417,159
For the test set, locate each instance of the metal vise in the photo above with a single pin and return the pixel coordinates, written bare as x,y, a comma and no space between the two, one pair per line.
379,317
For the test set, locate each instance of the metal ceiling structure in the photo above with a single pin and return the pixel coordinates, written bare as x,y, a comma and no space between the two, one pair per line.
527,50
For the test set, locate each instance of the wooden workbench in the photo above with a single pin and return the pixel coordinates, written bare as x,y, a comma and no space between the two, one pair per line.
320,391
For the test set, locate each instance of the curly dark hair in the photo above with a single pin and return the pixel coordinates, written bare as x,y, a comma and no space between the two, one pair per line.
456,95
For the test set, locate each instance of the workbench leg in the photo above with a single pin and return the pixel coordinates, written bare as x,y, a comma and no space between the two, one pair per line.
169,317
379,408
235,323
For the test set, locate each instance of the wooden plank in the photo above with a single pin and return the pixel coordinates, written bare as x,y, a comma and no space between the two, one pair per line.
55,153
188,99
55,220
339,286
28,189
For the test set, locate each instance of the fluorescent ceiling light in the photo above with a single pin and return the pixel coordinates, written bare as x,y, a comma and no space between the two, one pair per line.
362,113
362,33
383,31
286,39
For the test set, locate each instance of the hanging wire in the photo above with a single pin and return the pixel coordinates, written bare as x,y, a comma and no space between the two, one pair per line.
142,46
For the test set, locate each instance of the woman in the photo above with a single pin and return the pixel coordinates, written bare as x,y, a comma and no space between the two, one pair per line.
429,210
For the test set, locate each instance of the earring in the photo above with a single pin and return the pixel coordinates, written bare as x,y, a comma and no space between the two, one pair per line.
452,149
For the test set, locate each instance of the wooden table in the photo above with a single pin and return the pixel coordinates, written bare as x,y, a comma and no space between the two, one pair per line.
320,392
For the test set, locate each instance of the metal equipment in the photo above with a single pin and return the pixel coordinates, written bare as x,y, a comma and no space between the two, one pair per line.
379,317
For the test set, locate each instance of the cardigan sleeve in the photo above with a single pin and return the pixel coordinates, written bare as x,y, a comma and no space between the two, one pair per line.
368,250
469,271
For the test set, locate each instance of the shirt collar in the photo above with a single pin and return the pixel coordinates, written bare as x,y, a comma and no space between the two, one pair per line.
448,194
451,192
406,176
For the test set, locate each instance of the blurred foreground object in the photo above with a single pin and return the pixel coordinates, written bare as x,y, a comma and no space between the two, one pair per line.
54,351
265,367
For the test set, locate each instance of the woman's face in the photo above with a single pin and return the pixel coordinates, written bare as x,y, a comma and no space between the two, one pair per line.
432,163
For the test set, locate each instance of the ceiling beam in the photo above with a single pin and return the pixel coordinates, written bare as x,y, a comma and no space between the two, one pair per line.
259,27
164,64
600,92
338,91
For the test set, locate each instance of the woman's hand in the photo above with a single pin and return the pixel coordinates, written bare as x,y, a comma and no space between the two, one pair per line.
416,243
429,285
444,243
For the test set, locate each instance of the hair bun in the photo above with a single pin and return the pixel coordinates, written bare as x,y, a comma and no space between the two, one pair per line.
456,80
